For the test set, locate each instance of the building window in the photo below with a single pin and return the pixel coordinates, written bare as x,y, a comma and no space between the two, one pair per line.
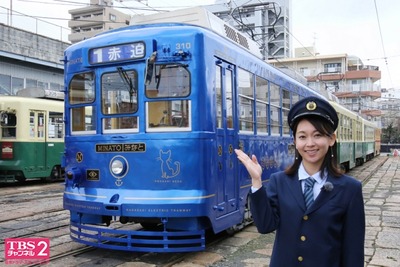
5,84
31,83
305,71
16,84
333,67
113,18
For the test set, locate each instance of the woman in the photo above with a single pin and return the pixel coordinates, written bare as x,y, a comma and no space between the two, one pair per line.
329,232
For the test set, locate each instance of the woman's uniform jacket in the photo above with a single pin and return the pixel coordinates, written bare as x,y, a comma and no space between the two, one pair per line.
329,234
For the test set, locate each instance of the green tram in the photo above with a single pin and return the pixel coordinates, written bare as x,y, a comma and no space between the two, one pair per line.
358,140
31,138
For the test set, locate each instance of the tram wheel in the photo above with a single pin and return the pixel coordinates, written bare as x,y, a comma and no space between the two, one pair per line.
151,226
20,178
56,174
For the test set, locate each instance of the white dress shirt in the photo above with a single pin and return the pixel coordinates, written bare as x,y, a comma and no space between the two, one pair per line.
317,177
304,175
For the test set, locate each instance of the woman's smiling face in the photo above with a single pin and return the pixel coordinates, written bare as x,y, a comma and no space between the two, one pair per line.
312,145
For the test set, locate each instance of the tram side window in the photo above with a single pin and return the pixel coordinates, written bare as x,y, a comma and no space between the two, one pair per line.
275,110
369,133
56,125
36,124
81,89
343,128
245,101
40,125
339,132
346,128
359,131
83,120
285,111
295,98
8,125
228,98
262,105
218,92
351,132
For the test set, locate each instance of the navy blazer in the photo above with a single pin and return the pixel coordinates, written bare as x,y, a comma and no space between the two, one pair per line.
329,234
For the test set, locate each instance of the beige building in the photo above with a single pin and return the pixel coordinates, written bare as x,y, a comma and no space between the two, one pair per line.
98,17
355,85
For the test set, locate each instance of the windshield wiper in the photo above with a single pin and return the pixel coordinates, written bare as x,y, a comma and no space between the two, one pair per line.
128,81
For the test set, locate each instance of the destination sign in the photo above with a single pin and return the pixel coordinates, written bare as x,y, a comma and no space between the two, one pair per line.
129,147
117,53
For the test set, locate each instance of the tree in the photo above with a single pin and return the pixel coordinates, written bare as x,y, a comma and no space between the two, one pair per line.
391,134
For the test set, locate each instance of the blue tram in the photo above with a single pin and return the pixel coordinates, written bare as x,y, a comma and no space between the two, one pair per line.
153,114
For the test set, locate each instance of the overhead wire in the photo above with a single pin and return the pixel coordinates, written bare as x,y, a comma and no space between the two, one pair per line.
148,8
383,45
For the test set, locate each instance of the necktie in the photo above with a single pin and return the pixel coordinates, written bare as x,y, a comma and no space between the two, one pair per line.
309,191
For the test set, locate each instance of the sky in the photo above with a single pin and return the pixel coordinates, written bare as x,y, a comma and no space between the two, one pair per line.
368,29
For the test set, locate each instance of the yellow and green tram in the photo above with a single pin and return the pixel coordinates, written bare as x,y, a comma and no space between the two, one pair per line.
31,138
358,140
370,140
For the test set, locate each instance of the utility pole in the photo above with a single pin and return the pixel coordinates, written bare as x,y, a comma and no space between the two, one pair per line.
11,12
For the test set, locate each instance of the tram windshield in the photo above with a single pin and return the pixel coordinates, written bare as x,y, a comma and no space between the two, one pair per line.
118,92
119,96
8,125
172,80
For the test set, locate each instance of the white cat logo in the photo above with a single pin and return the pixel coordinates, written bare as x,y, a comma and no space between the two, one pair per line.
167,169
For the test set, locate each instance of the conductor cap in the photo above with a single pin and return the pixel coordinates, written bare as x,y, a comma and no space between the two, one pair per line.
313,106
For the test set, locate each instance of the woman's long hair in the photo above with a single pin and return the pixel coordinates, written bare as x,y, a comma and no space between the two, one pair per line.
330,161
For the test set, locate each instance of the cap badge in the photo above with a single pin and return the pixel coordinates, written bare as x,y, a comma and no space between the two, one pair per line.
311,105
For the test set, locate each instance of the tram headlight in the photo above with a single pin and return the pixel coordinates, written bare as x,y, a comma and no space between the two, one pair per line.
118,166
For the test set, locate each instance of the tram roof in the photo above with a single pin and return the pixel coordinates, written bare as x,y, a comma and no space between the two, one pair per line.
201,17
41,93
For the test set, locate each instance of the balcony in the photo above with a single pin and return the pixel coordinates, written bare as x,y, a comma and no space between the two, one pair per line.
374,75
373,94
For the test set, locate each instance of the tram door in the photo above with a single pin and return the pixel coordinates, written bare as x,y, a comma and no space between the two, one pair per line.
37,135
227,174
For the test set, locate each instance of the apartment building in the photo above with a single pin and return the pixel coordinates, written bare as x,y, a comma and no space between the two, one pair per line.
98,17
355,85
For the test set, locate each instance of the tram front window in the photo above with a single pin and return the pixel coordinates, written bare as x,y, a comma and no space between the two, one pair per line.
168,114
172,80
168,83
8,125
119,96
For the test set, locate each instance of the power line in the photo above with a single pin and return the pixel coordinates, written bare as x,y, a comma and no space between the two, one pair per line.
383,46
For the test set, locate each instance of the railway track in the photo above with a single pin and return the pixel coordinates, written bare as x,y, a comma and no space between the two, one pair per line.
35,210
38,213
